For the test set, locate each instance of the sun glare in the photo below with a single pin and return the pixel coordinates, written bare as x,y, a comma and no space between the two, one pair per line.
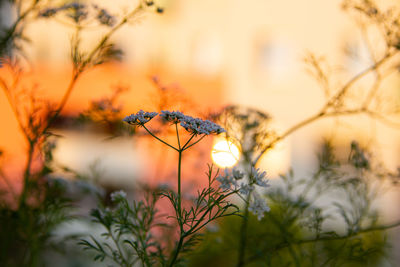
225,153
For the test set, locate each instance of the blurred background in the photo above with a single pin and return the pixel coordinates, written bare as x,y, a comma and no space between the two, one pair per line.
212,54
207,54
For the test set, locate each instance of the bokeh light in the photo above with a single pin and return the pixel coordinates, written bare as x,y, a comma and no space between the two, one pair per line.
225,153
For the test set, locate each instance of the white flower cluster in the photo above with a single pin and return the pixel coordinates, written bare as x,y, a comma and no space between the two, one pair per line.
229,181
80,12
358,157
140,118
79,9
192,125
104,17
259,177
258,206
117,195
172,116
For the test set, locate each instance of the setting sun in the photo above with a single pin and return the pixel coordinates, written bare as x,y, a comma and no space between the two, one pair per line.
225,153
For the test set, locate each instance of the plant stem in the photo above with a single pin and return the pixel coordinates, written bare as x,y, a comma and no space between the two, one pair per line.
27,175
190,139
179,217
176,252
179,189
118,247
162,141
177,136
198,140
243,234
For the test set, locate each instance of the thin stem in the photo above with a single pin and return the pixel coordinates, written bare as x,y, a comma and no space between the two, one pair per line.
11,31
177,136
196,227
27,175
179,217
288,132
179,189
162,141
330,103
194,142
357,77
118,247
176,252
190,139
61,105
78,70
243,234
113,30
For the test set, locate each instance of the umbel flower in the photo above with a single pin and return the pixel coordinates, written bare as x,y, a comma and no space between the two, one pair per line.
192,125
140,118
230,181
258,206
195,126
118,195
227,181
258,177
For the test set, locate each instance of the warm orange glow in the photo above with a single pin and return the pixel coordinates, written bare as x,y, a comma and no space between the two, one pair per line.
51,81
225,153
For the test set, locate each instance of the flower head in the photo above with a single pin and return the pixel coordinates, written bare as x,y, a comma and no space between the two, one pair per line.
246,189
259,177
192,125
227,181
237,174
78,13
105,18
118,195
48,12
258,206
140,118
172,116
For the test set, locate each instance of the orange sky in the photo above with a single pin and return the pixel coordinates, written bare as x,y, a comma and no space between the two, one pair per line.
51,82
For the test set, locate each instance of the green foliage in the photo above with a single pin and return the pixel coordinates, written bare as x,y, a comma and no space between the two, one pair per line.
128,237
26,232
302,229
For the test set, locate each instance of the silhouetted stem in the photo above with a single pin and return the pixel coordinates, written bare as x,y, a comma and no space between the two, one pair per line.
27,174
176,252
159,139
243,234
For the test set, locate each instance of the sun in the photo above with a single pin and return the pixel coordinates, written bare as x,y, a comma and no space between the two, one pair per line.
225,153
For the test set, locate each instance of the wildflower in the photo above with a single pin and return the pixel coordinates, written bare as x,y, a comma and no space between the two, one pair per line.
172,116
140,118
192,125
105,18
358,156
74,5
237,174
118,195
258,207
245,189
48,12
258,177
79,11
226,181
